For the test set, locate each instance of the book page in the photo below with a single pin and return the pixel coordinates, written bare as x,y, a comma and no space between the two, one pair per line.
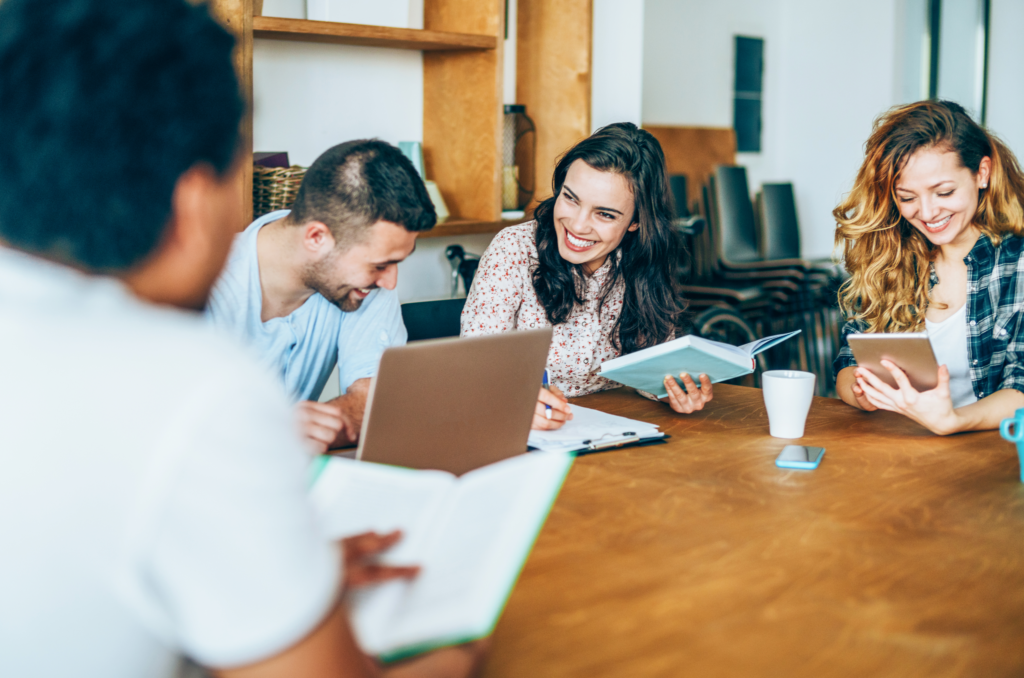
593,424
488,527
755,347
352,497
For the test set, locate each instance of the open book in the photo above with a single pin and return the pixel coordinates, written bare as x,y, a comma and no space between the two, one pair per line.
647,369
471,536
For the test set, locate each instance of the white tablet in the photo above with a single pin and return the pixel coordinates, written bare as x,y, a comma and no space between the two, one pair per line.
911,352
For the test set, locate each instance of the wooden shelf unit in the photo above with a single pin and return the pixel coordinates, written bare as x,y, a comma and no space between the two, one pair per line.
274,28
463,51
469,227
462,91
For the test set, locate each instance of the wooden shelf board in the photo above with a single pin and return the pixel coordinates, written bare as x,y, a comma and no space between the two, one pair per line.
455,226
275,28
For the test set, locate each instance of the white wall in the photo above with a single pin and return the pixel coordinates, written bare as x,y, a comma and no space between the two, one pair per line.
309,97
829,71
1005,82
617,62
689,72
838,73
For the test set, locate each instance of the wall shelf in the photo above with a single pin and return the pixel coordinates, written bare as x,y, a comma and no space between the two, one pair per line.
455,226
274,28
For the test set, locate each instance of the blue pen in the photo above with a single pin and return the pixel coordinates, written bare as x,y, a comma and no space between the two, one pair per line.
547,385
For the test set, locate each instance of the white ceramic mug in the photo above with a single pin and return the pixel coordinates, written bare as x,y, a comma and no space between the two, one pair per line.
787,397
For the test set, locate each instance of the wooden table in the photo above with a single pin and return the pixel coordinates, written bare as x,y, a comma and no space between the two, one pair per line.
901,555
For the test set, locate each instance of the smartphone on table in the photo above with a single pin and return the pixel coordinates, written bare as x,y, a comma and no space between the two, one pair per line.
800,456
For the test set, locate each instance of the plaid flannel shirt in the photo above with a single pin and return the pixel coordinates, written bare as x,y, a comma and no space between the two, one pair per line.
995,333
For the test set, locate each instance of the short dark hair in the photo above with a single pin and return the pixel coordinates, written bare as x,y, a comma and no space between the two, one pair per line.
104,104
354,185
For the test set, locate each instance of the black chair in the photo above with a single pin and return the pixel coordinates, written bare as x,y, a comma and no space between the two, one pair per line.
739,245
433,319
780,238
780,231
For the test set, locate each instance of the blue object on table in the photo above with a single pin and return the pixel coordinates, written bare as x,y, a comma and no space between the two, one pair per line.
800,456
1016,436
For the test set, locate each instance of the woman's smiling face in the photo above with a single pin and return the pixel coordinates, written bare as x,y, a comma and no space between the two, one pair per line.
592,214
939,196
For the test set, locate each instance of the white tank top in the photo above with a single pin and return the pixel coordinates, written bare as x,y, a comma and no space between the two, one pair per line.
949,341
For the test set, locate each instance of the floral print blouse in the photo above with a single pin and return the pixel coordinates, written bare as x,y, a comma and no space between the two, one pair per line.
502,299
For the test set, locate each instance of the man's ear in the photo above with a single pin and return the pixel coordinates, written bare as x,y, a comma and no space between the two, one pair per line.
317,237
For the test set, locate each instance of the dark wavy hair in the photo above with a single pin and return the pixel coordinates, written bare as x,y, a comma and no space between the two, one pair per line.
652,306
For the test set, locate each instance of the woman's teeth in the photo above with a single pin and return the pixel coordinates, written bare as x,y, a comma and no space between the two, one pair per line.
935,226
578,243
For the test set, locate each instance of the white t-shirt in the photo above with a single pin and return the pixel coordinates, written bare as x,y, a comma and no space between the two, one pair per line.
152,489
949,341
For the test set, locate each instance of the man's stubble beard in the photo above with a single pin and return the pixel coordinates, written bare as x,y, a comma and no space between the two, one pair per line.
314,278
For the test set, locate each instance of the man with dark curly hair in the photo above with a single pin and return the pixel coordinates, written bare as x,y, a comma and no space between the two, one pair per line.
153,493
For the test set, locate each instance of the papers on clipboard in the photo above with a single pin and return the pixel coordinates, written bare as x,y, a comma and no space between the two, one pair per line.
592,430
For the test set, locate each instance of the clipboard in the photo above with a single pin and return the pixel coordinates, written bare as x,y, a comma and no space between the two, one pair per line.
610,445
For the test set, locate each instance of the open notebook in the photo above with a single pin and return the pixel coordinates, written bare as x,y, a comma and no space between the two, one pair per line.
592,430
471,535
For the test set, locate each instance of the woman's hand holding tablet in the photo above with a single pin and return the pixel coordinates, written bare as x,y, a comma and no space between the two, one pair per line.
933,409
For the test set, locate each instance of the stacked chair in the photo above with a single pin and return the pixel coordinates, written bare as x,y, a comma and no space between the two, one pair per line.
720,310
753,268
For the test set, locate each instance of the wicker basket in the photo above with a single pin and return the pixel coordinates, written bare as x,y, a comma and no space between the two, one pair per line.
274,188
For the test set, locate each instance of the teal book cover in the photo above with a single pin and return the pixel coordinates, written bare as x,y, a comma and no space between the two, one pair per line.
646,370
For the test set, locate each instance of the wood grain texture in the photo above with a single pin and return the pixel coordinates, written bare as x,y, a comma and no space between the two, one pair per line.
274,28
553,57
694,151
236,16
468,227
902,555
462,109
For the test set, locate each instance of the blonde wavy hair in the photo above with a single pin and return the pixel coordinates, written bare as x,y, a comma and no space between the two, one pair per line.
887,258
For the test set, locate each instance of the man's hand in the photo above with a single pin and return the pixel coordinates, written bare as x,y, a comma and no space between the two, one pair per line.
693,398
560,411
351,407
360,555
320,424
932,409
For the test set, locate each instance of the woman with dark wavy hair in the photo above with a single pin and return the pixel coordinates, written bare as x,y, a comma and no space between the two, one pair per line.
597,265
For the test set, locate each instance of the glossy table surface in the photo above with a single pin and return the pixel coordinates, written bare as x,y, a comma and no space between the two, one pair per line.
901,555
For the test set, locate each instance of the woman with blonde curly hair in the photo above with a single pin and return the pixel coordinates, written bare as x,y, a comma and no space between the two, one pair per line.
932,235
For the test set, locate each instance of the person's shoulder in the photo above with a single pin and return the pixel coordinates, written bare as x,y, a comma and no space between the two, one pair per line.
1011,246
518,239
181,349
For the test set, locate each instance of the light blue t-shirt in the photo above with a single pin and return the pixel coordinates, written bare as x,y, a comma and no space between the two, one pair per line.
304,346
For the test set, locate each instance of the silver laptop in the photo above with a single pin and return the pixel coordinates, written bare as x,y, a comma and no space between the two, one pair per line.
454,404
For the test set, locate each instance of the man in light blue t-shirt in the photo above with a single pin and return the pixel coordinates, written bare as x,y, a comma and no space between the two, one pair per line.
314,286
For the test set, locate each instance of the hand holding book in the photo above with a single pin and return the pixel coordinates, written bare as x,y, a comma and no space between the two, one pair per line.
693,398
